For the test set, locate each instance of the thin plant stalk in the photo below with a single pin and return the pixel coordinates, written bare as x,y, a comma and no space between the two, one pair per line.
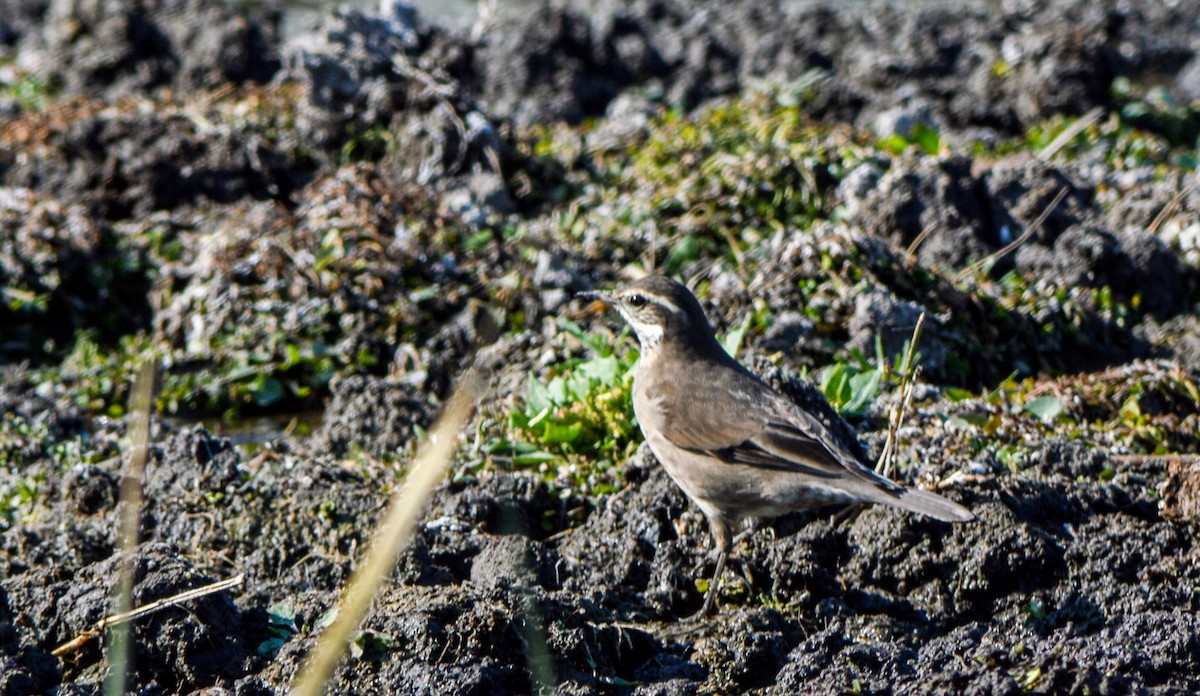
113,620
140,403
908,377
992,258
392,537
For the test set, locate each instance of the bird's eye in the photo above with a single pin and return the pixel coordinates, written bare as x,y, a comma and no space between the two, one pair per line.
637,301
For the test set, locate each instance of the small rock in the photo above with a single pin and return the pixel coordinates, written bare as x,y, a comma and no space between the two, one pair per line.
903,121
1180,492
552,272
785,332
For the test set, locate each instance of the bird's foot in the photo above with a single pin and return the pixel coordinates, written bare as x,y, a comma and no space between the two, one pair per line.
710,593
710,606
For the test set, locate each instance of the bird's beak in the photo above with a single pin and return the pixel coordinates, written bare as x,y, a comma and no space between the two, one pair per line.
597,296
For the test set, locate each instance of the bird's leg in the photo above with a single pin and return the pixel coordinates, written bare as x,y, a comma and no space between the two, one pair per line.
710,597
722,543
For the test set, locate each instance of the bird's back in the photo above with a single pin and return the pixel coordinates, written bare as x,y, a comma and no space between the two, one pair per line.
736,442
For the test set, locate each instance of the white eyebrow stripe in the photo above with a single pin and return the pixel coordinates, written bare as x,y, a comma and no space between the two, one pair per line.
668,304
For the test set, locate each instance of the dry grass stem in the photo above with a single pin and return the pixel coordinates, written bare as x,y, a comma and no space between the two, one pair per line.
1141,458
1029,231
157,605
1069,133
1169,208
392,536
916,243
908,378
141,400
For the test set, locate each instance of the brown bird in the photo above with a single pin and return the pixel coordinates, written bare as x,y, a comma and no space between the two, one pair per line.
739,449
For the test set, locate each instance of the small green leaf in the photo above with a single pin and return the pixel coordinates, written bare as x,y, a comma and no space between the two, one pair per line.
733,341
956,395
280,614
557,388
292,357
607,370
556,433
534,458
1131,410
520,419
895,144
271,645
381,641
478,241
979,418
835,383
864,388
1045,407
326,620
267,392
537,396
579,387
926,138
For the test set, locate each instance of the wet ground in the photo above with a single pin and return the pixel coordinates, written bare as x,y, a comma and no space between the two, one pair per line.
342,222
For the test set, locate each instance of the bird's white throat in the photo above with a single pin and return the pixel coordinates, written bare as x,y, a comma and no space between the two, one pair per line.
648,334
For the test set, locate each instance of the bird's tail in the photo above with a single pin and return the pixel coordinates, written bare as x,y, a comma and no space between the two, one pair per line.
931,504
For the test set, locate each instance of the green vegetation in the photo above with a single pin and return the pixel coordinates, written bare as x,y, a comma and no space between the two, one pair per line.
28,449
1150,128
719,183
281,626
922,136
98,379
853,386
369,144
575,426
29,91
719,186
1142,407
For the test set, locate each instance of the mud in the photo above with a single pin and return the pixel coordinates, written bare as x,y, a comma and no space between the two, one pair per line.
347,220
1063,572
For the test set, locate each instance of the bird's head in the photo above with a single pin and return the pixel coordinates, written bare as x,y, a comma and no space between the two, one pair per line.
659,309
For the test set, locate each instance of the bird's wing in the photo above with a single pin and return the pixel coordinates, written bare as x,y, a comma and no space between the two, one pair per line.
745,421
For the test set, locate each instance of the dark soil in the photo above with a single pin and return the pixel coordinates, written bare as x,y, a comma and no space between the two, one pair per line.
348,220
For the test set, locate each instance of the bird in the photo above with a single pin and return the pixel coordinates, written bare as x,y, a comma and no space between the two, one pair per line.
740,450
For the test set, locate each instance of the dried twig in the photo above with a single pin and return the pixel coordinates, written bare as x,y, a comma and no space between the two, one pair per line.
1070,132
1169,208
992,258
1142,458
912,248
157,605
